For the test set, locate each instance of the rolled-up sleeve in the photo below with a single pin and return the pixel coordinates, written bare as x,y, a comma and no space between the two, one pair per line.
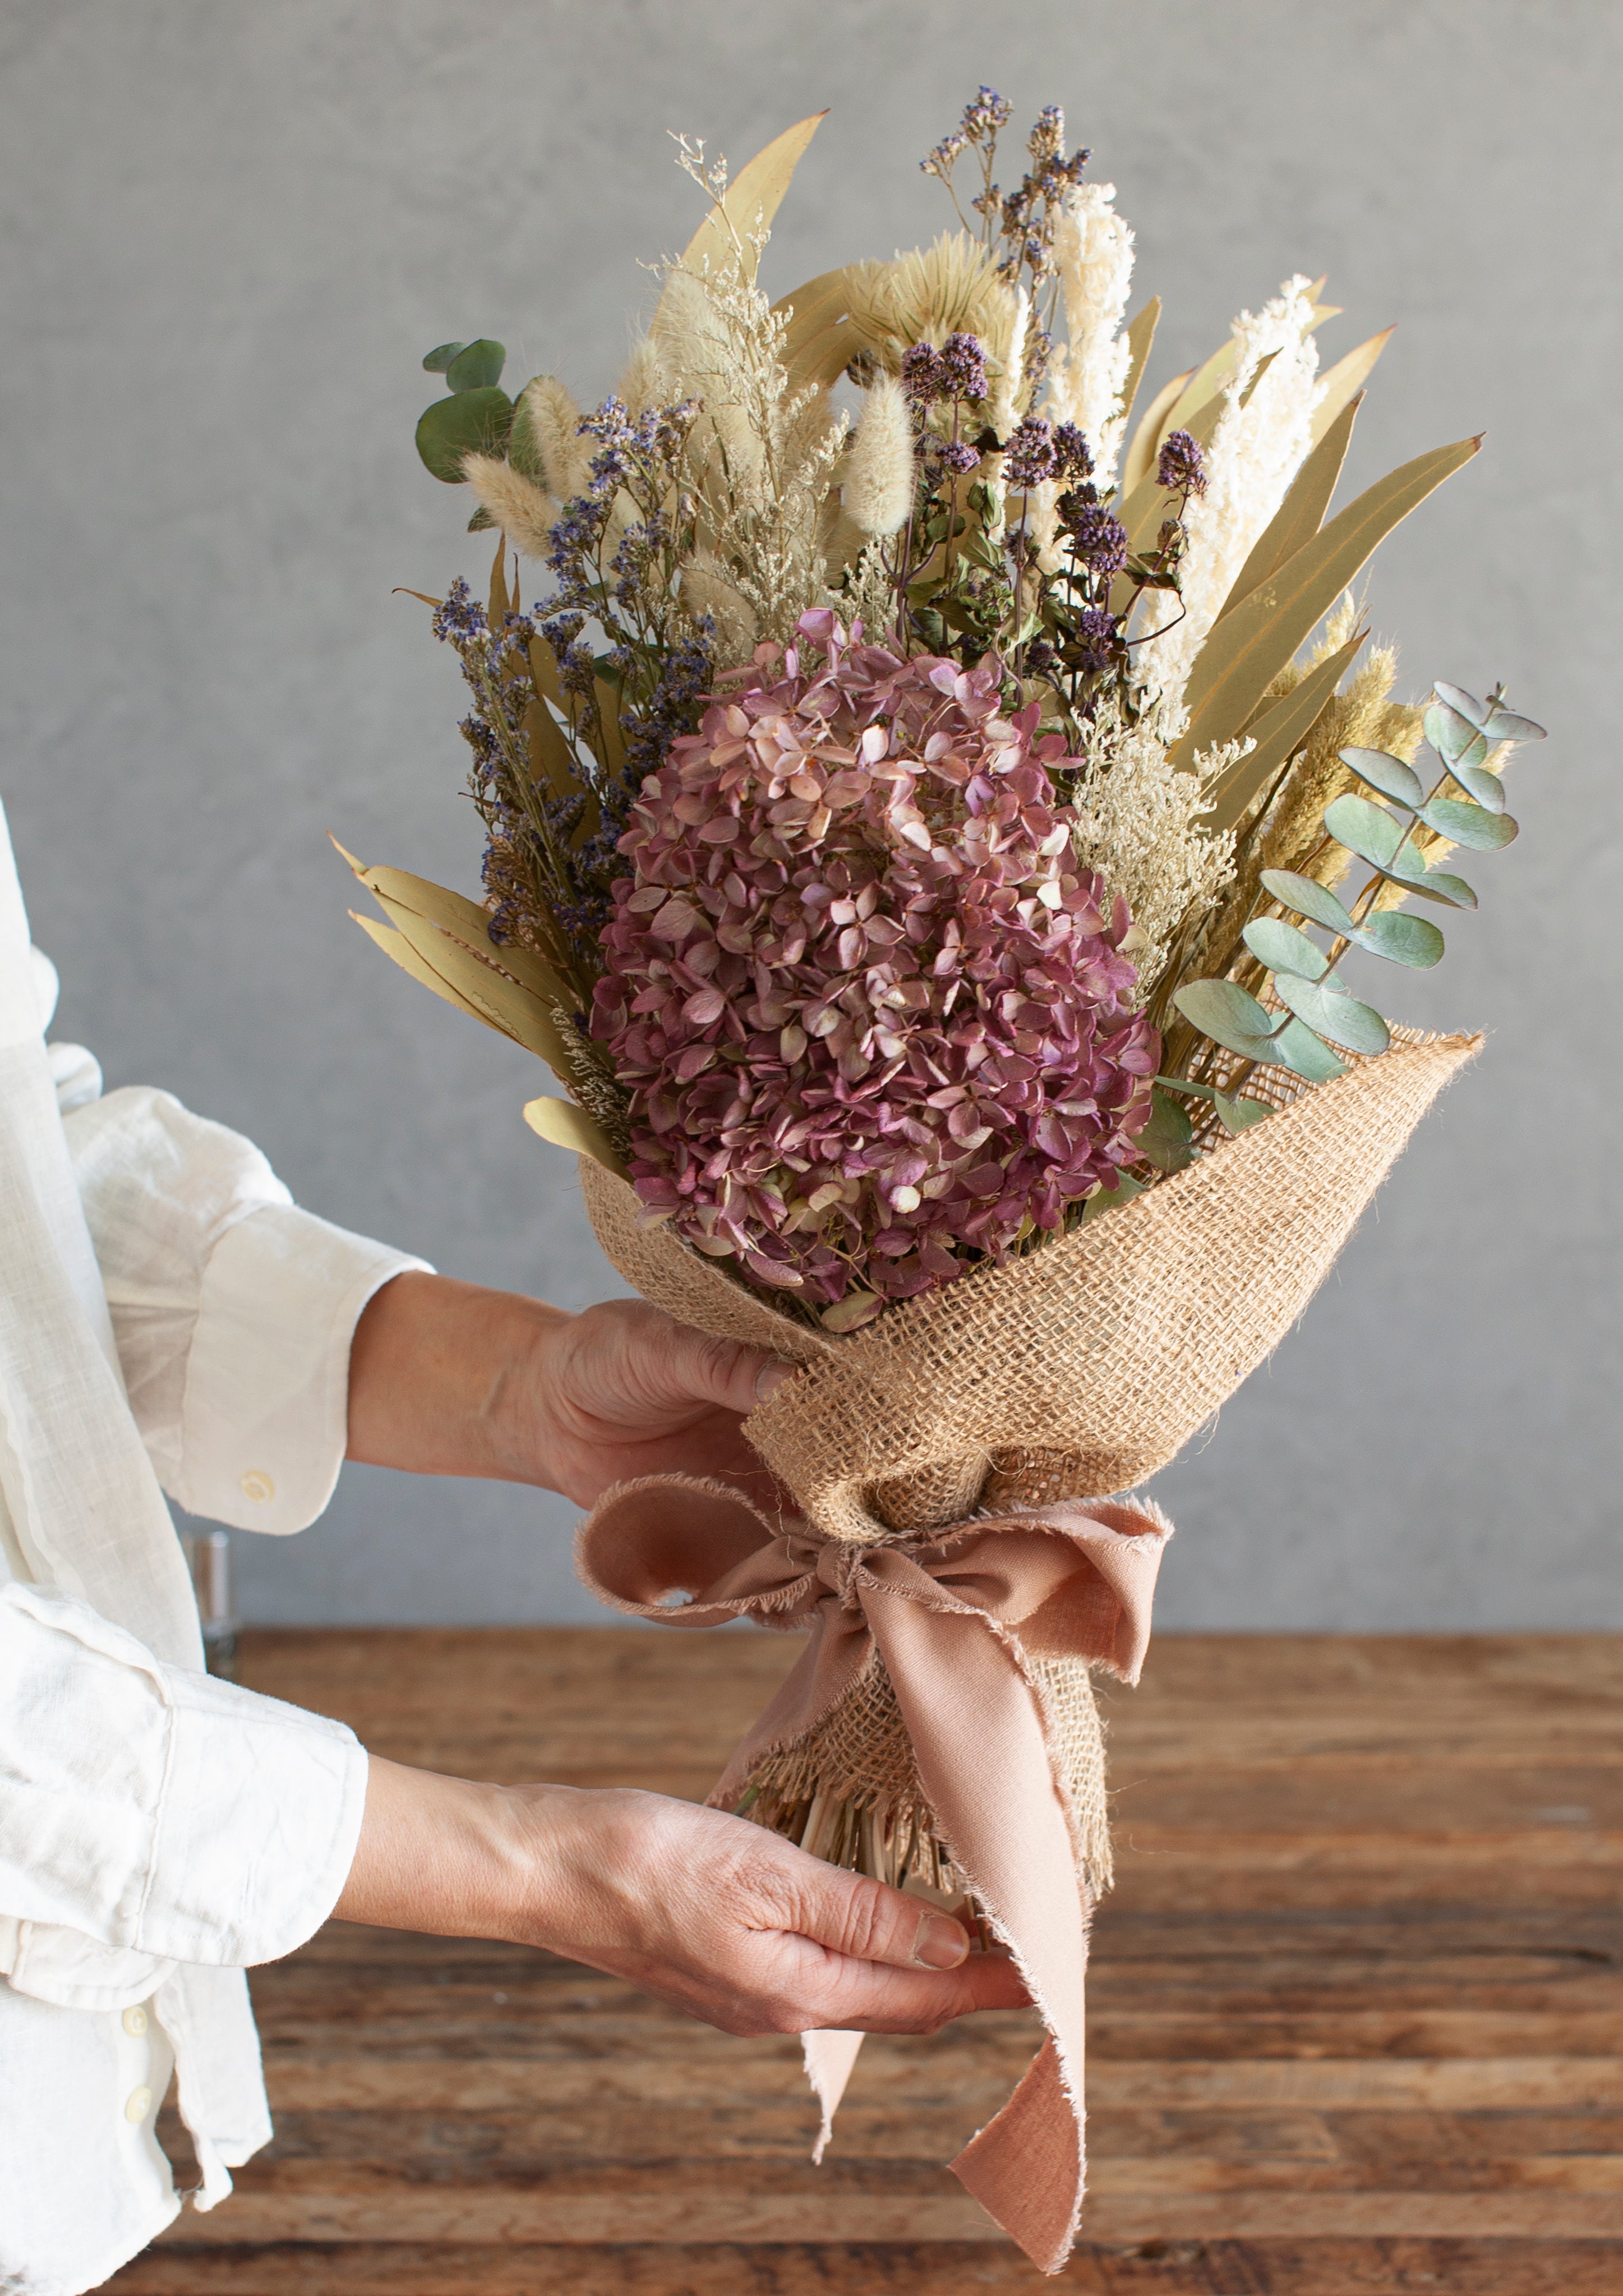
233,1310
159,1811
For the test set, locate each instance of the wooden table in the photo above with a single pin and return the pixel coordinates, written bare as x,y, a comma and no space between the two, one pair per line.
1356,2006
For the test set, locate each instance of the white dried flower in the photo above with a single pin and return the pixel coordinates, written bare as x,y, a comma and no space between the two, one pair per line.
879,473
525,511
643,384
1255,452
1137,825
1093,253
548,421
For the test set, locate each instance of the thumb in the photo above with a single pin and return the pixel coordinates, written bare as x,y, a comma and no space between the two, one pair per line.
723,1371
866,1921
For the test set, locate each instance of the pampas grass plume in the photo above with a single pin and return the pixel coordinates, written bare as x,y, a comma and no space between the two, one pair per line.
878,476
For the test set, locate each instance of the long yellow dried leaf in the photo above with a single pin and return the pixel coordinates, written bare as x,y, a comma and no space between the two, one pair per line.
568,1126
395,945
551,761
1146,438
397,890
752,200
1141,338
523,1015
1279,733
1347,377
1300,516
1246,650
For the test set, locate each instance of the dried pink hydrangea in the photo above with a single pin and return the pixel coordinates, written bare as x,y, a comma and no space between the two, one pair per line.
874,1017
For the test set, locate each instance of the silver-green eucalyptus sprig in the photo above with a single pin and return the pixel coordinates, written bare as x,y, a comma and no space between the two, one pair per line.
1312,1017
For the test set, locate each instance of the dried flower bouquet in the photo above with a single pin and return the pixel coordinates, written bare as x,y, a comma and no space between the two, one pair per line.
909,816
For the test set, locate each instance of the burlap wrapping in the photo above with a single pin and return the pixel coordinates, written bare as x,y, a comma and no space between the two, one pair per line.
1084,1367
1066,1375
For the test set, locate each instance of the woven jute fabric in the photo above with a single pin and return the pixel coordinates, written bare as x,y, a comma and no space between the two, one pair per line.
1085,1367
861,1753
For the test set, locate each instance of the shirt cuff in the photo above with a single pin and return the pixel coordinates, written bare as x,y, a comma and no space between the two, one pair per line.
157,1811
264,1421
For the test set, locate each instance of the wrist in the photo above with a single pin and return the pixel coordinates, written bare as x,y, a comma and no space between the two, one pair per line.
451,1857
448,1379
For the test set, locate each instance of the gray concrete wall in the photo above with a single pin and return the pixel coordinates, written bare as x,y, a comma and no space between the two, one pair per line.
229,233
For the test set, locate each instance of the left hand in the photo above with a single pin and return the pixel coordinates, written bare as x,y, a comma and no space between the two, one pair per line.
449,1379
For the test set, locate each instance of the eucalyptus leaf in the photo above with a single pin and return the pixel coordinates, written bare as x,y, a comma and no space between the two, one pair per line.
1455,698
1367,830
439,359
1283,948
1229,1016
1388,774
1505,725
1316,902
1403,939
1239,1112
1487,788
477,366
1329,1013
468,422
1471,826
1452,734
1165,1140
1435,885
1298,1049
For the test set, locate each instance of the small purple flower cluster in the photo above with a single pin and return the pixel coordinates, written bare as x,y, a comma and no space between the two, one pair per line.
1182,467
982,120
1098,538
1039,452
876,1022
957,372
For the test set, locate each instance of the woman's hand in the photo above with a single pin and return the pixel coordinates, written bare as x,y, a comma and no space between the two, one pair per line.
717,1917
449,1379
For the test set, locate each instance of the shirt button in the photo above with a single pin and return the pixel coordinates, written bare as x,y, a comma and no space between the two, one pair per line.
135,2021
139,2104
257,1486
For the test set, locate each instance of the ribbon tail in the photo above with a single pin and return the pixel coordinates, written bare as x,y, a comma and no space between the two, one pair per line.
983,1759
1027,2167
830,2055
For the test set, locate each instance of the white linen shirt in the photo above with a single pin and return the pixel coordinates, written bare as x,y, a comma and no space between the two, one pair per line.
167,1318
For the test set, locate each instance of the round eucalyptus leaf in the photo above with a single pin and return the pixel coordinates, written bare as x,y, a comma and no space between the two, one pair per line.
1450,734
1283,949
1438,885
1367,830
1386,773
1165,1140
1298,1049
1394,934
1227,1014
439,358
1240,1112
1505,725
468,422
1330,1013
1455,697
1316,902
1467,825
1487,788
477,366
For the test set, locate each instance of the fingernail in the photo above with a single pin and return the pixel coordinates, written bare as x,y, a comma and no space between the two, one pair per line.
770,1378
940,1943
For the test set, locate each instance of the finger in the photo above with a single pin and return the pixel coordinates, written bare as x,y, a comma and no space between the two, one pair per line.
867,1921
871,1998
722,1371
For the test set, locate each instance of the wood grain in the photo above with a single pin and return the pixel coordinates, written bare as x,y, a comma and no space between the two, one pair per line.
1356,2008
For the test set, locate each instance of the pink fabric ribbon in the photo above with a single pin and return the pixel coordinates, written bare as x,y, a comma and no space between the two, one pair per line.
957,1615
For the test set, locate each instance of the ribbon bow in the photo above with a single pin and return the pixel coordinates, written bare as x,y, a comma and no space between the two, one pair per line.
957,1615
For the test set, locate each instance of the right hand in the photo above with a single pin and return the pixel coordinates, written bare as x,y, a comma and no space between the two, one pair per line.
715,1915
